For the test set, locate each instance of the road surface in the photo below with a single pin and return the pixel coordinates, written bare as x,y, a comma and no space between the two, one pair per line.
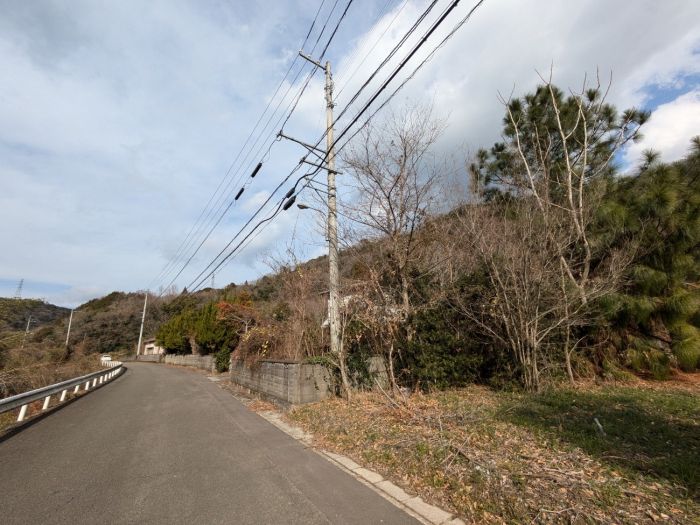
165,445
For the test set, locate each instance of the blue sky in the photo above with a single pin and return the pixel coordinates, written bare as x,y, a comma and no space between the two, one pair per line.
119,119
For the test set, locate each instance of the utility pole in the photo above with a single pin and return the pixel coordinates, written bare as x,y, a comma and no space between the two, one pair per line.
334,275
143,318
328,157
26,331
70,322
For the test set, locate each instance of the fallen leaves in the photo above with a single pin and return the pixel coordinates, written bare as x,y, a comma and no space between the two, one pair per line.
451,449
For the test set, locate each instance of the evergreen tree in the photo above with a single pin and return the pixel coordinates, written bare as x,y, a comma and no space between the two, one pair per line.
657,316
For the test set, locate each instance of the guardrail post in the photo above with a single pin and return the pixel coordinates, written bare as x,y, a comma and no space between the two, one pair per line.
22,413
47,399
63,396
77,387
87,385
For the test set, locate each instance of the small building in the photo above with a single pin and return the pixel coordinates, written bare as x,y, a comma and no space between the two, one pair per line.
151,348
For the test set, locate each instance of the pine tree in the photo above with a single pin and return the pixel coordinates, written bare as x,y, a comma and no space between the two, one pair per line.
657,316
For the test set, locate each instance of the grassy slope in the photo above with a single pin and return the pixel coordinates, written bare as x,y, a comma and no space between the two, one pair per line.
511,458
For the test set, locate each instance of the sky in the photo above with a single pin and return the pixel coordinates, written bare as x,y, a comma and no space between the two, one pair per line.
119,119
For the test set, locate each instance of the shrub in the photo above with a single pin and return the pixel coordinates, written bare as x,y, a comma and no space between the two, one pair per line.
222,359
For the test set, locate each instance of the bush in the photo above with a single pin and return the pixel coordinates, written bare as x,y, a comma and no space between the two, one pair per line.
223,357
441,354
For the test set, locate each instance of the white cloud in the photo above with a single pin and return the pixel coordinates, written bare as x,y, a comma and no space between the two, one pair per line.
254,201
118,119
670,129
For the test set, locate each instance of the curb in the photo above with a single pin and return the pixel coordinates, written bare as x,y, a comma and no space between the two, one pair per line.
412,505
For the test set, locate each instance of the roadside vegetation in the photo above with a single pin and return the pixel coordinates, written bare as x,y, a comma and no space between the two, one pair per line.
536,263
516,457
541,264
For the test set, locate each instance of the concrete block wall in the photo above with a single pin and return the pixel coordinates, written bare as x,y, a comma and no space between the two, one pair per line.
150,358
205,362
290,382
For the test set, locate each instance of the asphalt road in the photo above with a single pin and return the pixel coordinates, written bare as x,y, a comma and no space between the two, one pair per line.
166,445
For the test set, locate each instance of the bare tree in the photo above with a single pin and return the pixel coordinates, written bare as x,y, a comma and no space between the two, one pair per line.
542,267
300,311
526,303
394,178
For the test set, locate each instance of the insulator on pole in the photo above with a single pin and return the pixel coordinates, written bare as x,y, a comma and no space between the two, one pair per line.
289,203
289,193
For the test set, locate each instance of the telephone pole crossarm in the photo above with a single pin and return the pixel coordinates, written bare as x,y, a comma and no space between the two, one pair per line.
320,167
314,62
312,149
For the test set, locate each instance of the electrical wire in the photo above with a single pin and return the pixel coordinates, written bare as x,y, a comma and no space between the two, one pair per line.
293,107
185,242
311,175
346,80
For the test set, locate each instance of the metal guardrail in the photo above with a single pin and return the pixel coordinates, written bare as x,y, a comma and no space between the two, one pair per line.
88,381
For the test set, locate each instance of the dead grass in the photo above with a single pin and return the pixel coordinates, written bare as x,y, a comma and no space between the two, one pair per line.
24,378
498,458
23,373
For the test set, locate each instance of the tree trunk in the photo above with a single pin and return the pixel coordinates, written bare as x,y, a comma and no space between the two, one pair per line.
392,377
344,378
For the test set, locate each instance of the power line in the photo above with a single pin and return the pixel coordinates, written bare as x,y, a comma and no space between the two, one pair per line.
184,243
347,79
197,282
293,107
391,54
292,193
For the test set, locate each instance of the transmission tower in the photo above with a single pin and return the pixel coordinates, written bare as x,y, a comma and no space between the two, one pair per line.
18,292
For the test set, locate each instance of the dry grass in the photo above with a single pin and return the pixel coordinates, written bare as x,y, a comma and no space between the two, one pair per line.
17,379
21,377
500,458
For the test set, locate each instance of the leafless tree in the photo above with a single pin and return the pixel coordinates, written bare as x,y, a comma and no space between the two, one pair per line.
301,297
541,266
395,180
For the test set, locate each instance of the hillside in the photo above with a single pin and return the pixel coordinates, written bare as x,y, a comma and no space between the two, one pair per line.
14,313
106,324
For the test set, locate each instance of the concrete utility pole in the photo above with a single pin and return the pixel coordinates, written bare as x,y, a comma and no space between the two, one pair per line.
70,322
332,227
143,318
26,331
334,276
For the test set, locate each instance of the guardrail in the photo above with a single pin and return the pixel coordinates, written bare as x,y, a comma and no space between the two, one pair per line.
87,381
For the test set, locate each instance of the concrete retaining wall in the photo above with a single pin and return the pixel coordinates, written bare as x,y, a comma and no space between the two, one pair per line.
205,362
287,381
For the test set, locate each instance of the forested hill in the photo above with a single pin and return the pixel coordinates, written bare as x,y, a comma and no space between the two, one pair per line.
14,313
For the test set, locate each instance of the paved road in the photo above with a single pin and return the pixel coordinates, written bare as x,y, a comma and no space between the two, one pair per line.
165,445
